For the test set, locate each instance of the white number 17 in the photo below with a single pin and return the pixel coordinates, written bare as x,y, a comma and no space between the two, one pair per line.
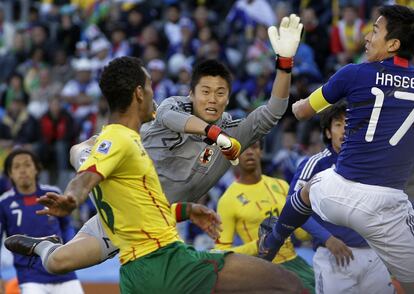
373,121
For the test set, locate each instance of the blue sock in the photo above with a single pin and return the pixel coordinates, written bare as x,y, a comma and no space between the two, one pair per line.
294,214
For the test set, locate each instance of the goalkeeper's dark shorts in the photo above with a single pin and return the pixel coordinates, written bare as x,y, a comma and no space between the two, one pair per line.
175,268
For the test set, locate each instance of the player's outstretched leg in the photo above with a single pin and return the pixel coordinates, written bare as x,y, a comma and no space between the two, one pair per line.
82,251
247,274
295,213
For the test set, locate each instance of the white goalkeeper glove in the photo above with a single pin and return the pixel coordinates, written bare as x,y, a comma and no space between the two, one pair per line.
285,41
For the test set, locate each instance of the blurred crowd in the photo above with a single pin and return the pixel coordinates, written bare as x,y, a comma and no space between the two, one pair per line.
52,52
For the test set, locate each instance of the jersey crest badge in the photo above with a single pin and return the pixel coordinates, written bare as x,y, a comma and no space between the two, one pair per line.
242,199
206,155
104,147
14,204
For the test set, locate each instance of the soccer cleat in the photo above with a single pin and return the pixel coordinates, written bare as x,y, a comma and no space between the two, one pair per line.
265,229
25,245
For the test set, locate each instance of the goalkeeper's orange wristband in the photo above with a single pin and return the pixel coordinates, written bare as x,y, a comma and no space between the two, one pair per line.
284,63
212,132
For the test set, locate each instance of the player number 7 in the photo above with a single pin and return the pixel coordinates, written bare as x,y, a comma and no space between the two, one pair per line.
373,121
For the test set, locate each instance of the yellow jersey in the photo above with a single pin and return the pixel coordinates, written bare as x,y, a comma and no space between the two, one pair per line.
243,207
134,211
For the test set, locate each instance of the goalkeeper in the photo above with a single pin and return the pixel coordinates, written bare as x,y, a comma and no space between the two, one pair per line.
179,142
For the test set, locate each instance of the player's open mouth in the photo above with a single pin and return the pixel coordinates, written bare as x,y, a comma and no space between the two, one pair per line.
211,110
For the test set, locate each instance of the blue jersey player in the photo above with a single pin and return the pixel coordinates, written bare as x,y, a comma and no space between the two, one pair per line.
357,269
365,189
18,216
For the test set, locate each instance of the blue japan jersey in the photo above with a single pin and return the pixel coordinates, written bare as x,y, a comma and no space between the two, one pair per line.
306,170
18,216
379,136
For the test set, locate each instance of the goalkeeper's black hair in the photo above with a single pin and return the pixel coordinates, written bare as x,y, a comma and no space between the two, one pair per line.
400,25
119,80
210,67
336,111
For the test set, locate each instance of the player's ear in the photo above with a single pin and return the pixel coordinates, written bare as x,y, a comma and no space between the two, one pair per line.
191,95
328,134
139,94
393,45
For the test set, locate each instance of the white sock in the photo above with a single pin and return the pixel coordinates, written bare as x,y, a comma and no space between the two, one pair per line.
45,249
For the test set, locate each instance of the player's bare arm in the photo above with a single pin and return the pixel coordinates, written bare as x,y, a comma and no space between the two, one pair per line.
307,108
75,194
303,110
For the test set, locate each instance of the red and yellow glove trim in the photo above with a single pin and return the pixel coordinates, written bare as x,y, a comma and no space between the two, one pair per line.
233,152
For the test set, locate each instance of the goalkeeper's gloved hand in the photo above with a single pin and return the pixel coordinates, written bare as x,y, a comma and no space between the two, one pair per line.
285,41
229,146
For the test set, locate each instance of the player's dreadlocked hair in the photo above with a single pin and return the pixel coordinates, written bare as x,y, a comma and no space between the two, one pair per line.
210,67
118,81
336,111
400,25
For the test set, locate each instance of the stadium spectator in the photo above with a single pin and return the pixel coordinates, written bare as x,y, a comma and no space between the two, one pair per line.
68,33
17,126
82,93
15,90
6,33
172,28
57,135
120,45
39,38
100,53
287,158
346,37
316,36
252,12
162,86
187,45
62,71
183,82
43,93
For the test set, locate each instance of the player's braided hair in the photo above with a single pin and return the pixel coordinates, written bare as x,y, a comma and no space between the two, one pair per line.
210,67
336,111
400,25
118,81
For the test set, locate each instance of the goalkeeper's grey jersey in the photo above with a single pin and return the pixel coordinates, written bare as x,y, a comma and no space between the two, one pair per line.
187,166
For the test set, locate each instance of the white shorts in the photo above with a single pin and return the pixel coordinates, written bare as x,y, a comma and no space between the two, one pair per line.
69,287
93,227
383,216
366,273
